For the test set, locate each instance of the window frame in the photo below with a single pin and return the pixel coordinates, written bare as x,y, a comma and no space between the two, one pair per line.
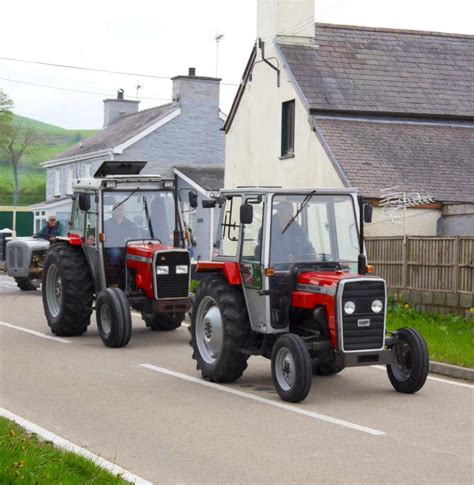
288,109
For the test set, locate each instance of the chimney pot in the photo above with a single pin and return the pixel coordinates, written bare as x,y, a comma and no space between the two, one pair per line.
192,71
120,94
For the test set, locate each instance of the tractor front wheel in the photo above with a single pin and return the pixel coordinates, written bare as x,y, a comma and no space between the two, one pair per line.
113,317
67,290
291,368
163,321
219,330
409,369
26,284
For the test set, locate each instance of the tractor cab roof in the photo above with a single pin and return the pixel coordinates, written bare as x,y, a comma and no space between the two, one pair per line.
280,190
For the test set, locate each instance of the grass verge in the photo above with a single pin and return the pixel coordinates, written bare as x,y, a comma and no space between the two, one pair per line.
450,338
25,458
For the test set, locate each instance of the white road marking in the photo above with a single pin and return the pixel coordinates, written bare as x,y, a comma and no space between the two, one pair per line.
437,379
277,404
37,334
69,446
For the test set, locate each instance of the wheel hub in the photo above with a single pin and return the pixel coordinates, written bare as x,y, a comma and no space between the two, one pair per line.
209,330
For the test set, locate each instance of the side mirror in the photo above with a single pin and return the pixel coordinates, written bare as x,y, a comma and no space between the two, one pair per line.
368,211
84,202
209,203
246,214
193,199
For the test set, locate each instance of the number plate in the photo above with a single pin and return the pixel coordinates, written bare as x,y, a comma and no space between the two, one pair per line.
363,322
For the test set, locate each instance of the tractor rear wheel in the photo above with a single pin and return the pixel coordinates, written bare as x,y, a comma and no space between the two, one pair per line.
409,370
219,330
26,284
291,368
163,321
67,290
113,317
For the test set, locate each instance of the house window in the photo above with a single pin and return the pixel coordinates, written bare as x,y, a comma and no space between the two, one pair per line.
57,182
288,129
40,220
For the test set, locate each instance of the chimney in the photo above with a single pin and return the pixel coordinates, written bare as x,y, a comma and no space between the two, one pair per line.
116,108
286,18
196,91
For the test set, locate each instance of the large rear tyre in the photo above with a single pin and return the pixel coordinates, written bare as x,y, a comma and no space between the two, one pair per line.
409,370
163,322
26,284
219,330
67,290
291,368
113,317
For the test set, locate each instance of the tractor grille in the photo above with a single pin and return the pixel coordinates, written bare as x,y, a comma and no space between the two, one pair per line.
364,329
15,257
172,285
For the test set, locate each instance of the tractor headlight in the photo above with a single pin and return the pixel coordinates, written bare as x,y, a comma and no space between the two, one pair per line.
181,269
377,306
349,307
162,270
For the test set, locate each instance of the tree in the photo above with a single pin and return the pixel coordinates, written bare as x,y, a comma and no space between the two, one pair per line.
6,105
20,139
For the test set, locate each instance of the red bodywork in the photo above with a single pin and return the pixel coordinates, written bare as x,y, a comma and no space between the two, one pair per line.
140,259
231,270
310,299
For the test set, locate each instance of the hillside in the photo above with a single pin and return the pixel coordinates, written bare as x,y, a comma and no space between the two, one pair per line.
32,176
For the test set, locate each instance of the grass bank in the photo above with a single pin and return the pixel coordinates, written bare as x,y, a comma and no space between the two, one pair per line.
26,459
450,338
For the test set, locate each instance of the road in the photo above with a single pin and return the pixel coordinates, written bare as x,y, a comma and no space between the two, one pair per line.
145,408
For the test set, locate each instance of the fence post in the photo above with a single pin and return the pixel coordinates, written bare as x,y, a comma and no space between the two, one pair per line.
456,264
405,262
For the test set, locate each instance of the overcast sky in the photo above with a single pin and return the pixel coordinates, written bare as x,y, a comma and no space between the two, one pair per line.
160,38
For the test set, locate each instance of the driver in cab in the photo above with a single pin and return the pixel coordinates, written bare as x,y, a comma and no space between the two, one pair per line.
289,240
118,229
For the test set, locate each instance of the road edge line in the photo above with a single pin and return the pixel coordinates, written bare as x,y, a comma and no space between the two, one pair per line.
34,332
277,404
66,445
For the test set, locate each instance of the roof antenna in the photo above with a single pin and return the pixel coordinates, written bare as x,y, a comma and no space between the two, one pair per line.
138,87
218,38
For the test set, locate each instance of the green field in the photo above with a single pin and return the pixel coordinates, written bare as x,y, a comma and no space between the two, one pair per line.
450,338
32,175
24,458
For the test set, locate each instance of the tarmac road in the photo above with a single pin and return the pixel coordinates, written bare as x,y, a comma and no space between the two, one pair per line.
145,408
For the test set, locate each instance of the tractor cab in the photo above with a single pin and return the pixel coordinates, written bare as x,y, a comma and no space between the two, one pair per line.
292,264
126,233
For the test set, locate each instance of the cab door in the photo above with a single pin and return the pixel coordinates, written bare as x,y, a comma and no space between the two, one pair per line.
255,284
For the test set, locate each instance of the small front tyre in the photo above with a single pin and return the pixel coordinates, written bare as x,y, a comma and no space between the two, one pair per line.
291,368
409,369
113,317
163,322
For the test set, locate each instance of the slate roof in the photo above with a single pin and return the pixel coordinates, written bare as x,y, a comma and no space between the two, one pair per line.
434,158
120,131
209,178
385,71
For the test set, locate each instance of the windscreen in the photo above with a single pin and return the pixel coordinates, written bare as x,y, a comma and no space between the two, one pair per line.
138,215
324,229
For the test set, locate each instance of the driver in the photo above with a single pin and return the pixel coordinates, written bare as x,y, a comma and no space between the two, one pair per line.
291,244
118,229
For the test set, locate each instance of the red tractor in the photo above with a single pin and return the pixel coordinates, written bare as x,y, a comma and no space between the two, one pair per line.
289,281
124,249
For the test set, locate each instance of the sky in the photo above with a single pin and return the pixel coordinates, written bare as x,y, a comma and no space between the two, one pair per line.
160,38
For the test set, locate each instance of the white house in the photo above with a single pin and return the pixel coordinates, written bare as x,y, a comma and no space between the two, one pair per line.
324,105
187,131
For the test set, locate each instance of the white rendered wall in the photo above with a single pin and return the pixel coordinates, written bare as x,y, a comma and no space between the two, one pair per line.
253,143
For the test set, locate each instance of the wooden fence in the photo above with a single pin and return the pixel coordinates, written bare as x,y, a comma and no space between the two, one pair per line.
439,264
